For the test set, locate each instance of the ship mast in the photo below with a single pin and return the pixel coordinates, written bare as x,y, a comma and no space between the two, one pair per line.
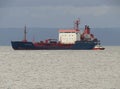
76,25
25,32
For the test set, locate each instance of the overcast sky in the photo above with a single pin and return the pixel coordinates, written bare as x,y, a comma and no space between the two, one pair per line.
59,13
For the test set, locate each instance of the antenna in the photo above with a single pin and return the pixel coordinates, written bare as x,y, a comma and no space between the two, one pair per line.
77,22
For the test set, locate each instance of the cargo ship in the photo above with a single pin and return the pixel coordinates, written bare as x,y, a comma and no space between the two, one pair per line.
69,39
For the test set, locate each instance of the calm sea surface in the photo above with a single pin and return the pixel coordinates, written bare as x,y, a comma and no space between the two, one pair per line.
60,69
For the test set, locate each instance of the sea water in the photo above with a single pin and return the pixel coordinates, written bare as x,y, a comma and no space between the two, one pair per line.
60,69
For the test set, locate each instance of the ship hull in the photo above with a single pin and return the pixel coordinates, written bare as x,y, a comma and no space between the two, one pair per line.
79,45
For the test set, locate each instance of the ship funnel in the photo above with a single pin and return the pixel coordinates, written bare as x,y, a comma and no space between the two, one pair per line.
87,30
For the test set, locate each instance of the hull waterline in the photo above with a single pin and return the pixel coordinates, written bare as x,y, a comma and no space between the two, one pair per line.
80,45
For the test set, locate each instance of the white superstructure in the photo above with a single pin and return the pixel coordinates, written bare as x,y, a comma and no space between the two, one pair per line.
69,36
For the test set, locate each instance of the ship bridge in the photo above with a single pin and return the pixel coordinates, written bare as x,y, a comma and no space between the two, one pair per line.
69,36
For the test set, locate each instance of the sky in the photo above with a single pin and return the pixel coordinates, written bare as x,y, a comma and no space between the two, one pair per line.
59,13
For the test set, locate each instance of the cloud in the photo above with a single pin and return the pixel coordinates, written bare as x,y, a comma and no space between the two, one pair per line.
57,13
114,2
26,3
5,3
41,11
75,3
53,15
